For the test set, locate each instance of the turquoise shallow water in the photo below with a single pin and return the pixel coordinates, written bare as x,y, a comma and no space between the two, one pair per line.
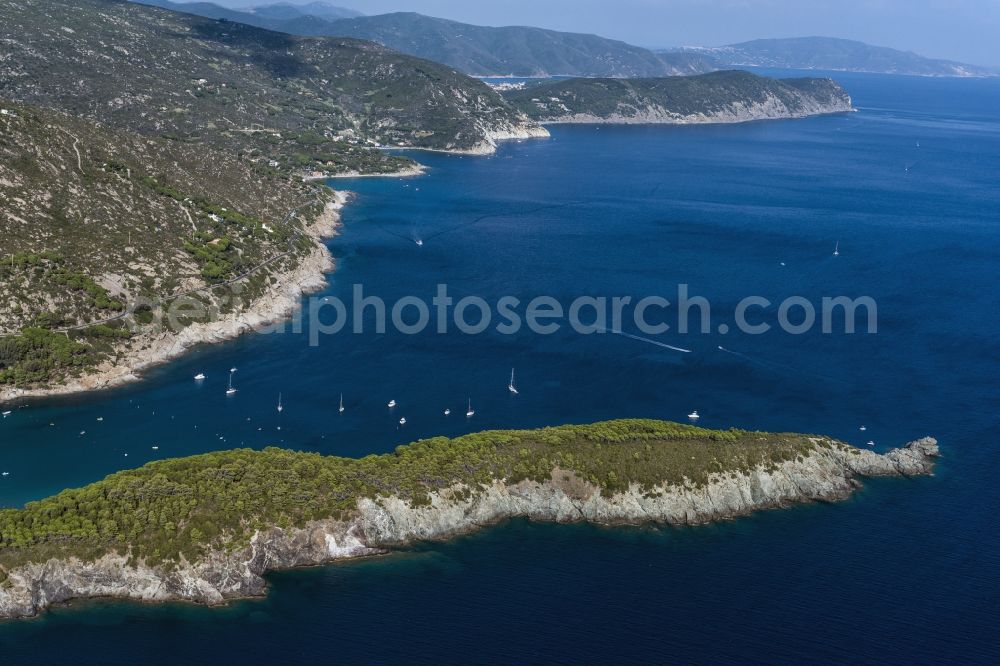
906,571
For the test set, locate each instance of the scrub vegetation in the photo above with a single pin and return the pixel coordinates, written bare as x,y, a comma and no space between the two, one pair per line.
181,506
96,220
677,97
147,154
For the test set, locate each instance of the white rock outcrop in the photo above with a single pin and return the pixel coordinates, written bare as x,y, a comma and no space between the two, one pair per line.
770,108
826,474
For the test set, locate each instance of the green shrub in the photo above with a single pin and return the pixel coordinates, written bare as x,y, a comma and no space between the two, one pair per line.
180,506
37,355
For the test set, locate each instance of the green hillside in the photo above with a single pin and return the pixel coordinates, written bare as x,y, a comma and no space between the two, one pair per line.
95,219
181,506
474,49
679,98
161,73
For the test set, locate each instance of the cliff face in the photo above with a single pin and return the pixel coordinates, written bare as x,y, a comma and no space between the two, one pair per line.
504,131
378,524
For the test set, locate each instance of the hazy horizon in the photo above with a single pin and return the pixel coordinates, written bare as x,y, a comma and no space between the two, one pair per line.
963,30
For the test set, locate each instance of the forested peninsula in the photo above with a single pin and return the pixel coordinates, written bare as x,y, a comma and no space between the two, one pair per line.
208,527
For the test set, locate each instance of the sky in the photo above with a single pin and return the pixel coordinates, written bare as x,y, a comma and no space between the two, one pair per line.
965,30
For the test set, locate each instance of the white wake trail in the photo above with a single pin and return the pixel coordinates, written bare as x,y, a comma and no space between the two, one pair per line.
646,340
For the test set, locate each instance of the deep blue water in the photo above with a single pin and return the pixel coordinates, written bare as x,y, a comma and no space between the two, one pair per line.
905,571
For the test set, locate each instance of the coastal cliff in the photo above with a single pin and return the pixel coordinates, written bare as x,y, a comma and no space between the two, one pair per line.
731,474
719,97
504,131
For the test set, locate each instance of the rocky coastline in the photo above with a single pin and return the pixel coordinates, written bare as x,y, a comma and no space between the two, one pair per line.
738,112
494,135
379,524
153,349
408,172
718,97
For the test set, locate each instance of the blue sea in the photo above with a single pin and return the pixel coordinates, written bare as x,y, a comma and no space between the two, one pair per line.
906,571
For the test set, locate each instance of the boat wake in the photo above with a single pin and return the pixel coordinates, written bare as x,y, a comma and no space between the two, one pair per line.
646,340
783,368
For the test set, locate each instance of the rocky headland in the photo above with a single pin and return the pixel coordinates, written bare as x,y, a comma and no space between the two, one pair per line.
733,473
719,97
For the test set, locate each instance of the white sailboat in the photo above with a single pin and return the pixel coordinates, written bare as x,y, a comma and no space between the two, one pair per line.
836,249
447,411
694,416
510,386
470,411
280,407
420,242
341,408
231,390
402,421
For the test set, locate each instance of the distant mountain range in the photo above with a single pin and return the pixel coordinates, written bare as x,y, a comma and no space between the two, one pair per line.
472,49
286,10
515,50
828,53
278,17
536,52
